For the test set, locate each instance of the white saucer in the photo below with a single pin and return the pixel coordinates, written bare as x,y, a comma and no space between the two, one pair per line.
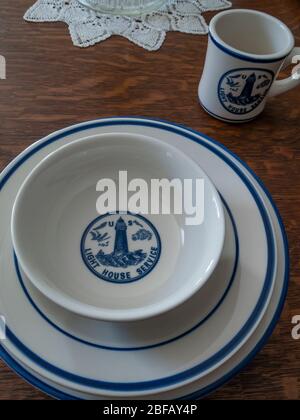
184,359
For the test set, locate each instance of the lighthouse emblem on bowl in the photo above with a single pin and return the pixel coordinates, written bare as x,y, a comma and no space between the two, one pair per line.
120,248
242,90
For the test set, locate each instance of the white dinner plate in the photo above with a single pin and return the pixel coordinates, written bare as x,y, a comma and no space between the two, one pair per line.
127,362
233,365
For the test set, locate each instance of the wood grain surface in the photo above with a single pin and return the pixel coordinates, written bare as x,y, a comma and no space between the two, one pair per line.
52,84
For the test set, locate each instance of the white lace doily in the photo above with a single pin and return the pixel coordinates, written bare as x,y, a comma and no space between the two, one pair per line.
88,27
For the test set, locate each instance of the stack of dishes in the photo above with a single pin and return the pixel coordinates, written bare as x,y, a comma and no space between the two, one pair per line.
131,306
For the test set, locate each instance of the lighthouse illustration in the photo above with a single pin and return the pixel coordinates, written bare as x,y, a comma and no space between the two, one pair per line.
241,91
121,242
246,96
120,247
121,255
248,88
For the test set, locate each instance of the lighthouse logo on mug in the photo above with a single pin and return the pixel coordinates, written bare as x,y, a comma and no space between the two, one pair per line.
242,90
121,247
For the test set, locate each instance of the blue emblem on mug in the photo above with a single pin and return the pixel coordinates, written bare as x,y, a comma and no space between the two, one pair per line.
242,90
120,248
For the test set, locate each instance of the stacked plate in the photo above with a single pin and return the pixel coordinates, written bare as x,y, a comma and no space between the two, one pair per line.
128,306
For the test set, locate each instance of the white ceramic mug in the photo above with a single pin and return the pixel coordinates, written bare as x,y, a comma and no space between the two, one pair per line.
246,51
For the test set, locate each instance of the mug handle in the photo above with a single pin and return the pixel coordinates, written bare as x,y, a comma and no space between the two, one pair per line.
281,86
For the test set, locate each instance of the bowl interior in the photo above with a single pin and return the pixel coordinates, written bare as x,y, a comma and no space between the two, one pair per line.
116,266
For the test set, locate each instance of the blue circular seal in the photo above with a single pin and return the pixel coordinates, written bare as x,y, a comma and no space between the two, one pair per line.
120,247
240,91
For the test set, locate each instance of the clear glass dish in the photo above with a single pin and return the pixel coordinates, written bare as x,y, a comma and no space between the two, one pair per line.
124,7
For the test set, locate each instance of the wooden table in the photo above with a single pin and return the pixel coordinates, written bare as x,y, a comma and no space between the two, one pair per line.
52,84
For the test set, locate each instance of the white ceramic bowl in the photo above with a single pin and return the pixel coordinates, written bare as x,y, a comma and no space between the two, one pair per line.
117,267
